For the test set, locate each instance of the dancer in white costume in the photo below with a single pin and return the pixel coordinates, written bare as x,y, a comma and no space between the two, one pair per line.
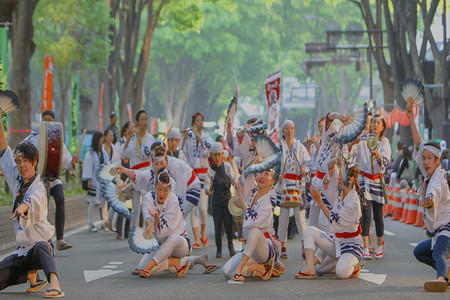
195,145
137,150
163,217
260,253
295,162
344,243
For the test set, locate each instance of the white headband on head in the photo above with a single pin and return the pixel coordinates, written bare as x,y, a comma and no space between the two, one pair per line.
17,154
287,122
377,117
170,179
433,150
158,158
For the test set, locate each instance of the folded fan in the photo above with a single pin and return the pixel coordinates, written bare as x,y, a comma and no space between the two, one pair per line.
8,101
357,122
413,92
142,242
231,110
106,172
109,190
265,147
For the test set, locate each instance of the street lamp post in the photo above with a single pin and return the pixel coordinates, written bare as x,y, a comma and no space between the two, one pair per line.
445,123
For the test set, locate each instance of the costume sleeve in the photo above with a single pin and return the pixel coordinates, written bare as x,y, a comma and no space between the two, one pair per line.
9,168
66,159
331,191
209,179
126,154
148,204
385,153
305,158
207,142
417,156
231,173
434,193
170,217
349,215
144,180
145,152
87,166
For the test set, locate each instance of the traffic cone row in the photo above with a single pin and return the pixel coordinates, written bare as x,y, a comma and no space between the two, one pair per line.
404,206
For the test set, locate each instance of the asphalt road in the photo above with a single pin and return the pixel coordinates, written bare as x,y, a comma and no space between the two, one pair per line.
95,255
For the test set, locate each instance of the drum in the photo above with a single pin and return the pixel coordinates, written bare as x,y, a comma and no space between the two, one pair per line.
51,142
234,210
291,198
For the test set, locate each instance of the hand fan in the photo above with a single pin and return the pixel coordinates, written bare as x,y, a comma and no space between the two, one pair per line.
142,242
413,92
357,122
109,190
8,101
106,172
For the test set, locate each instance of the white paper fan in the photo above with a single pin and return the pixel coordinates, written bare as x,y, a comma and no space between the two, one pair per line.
109,190
140,243
413,92
8,101
348,133
231,110
265,147
106,172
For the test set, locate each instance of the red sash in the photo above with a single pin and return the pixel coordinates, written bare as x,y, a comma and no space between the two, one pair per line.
349,235
370,176
320,175
141,165
292,176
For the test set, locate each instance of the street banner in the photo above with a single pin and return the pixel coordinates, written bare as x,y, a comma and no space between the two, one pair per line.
153,126
116,107
47,91
129,112
273,84
74,114
100,110
4,71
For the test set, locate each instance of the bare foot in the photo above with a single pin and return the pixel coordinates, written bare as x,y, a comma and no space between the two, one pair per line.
309,270
31,276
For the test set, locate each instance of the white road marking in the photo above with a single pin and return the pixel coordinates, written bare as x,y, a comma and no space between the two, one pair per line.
364,271
116,262
375,278
91,275
109,267
413,244
389,233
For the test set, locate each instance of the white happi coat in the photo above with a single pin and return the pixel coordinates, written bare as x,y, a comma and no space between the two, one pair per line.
170,216
363,157
260,214
66,157
437,219
186,183
114,155
243,148
36,228
90,165
138,156
344,217
196,155
290,165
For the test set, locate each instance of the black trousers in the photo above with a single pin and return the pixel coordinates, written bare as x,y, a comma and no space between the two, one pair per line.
58,194
366,218
120,226
222,214
13,269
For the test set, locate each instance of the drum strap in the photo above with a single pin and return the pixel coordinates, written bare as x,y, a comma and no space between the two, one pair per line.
23,188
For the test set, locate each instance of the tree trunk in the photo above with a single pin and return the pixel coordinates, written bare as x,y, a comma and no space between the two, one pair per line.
22,50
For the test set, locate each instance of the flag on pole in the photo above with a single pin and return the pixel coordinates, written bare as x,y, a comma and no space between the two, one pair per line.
4,71
236,86
47,91
129,112
74,114
273,83
117,109
100,110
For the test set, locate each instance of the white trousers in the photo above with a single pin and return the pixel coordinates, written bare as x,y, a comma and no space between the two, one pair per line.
104,211
200,210
257,248
174,246
188,207
136,207
314,211
316,237
283,223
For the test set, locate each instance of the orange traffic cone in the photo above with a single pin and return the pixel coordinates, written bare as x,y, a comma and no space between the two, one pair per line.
390,207
419,219
412,214
398,205
406,207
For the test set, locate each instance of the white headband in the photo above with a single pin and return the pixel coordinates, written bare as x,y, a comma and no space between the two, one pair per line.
285,123
433,150
158,158
170,179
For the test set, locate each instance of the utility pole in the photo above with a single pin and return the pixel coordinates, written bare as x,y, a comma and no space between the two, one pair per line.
445,123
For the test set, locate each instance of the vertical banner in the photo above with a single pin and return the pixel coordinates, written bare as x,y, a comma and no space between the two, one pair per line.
273,84
47,91
236,86
116,107
100,110
74,114
4,71
130,117
154,126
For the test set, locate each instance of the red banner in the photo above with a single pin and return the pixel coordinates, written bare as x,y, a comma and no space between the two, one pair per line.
273,83
100,110
129,112
47,91
154,126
